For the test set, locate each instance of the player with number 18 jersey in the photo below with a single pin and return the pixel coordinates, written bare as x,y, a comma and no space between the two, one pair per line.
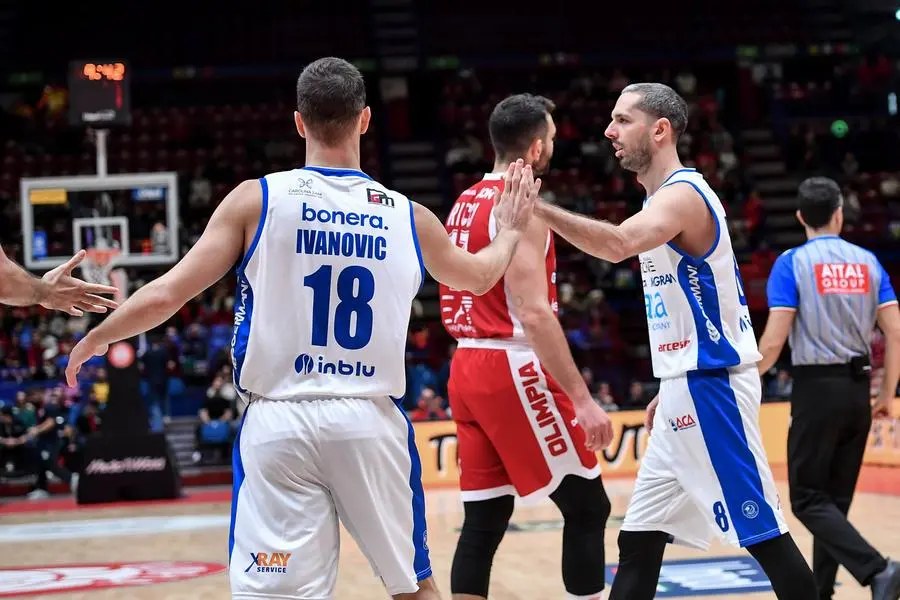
333,249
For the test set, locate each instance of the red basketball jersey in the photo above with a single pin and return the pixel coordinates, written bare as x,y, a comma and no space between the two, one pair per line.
471,226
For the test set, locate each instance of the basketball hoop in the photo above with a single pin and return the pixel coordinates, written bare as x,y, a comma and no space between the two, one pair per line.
98,263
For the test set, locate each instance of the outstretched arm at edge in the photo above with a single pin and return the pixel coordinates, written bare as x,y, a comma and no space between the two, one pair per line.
56,290
18,287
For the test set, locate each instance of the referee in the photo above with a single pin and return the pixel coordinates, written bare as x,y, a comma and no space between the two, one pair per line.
828,294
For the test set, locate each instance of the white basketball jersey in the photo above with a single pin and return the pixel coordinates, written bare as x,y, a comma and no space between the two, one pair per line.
325,290
696,310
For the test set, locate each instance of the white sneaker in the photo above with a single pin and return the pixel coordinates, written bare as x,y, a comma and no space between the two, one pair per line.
38,495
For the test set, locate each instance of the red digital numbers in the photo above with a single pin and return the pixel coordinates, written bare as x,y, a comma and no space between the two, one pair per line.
110,72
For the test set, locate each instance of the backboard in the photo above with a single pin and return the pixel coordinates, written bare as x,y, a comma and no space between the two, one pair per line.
134,212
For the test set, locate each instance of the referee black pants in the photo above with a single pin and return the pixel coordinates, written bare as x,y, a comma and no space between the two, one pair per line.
830,420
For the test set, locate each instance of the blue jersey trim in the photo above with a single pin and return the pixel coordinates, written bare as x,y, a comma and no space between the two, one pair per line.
333,172
243,309
259,226
715,217
415,237
674,173
237,466
421,558
720,421
698,284
243,301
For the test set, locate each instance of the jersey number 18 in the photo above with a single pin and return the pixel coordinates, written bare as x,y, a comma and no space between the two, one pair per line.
355,289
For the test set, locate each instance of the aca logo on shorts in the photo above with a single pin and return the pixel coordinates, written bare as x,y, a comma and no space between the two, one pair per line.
682,423
265,562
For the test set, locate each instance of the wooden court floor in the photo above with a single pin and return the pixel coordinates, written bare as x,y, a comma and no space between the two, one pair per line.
526,566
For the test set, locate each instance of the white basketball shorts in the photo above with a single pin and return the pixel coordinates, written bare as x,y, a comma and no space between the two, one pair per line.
299,468
705,472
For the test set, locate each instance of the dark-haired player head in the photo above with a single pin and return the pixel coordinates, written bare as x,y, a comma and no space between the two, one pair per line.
821,205
521,126
331,110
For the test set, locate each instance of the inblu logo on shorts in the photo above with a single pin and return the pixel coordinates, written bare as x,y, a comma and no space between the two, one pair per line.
305,364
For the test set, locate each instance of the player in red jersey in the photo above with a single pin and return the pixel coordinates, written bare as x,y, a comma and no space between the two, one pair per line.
526,422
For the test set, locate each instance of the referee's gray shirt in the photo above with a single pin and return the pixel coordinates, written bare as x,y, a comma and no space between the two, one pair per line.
836,289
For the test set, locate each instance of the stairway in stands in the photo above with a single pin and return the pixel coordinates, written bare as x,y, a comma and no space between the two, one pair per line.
412,164
415,173
180,431
777,188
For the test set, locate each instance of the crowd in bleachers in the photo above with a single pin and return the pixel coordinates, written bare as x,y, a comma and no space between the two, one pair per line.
186,365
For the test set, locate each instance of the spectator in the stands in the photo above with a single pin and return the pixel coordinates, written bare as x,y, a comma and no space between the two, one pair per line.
637,398
25,410
13,453
604,394
215,433
429,407
155,371
75,436
44,446
100,387
780,387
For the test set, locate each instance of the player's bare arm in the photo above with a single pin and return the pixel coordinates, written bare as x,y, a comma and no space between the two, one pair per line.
527,290
56,290
478,272
778,328
670,210
217,250
889,323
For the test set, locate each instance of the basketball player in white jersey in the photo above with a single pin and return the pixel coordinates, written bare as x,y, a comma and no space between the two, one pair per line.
330,262
705,472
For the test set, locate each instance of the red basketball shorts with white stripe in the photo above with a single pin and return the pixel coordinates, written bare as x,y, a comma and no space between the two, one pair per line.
516,430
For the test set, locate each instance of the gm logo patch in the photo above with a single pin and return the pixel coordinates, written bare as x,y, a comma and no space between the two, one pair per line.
379,197
708,577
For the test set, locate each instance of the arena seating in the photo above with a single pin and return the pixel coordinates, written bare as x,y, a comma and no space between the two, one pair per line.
225,115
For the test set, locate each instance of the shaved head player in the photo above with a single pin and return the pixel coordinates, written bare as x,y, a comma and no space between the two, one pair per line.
705,472
330,262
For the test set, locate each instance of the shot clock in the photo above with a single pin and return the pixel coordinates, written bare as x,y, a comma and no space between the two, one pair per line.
99,93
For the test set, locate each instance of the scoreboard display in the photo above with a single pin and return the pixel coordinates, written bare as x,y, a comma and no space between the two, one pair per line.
99,93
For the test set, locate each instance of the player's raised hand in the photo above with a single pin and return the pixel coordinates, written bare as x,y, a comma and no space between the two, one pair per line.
61,291
514,207
598,430
81,353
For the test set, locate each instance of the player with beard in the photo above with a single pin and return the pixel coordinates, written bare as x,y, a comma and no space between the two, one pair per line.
705,472
526,423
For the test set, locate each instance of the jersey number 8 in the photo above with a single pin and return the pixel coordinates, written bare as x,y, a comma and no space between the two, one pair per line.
355,289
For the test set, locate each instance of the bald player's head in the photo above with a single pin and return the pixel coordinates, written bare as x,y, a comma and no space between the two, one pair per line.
331,101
